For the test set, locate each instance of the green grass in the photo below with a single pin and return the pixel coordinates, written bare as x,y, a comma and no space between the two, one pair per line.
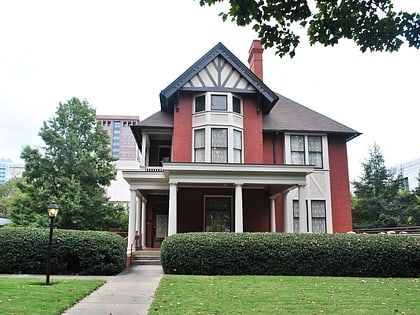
32,296
179,294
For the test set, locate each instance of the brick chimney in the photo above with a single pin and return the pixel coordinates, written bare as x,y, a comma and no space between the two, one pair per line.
255,59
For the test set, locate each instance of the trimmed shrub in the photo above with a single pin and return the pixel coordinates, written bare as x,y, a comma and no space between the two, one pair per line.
291,254
25,250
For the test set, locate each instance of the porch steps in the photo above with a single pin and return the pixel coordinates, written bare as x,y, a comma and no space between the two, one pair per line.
146,257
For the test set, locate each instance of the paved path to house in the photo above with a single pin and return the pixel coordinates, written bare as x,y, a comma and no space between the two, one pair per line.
128,293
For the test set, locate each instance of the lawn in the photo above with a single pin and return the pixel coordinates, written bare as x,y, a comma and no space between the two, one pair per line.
179,294
32,296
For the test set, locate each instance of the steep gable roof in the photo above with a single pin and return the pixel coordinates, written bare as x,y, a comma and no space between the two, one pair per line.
219,70
289,116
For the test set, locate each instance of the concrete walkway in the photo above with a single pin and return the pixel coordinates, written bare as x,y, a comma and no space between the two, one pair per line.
128,293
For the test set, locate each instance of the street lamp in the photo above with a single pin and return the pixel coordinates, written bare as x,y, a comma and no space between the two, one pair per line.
52,213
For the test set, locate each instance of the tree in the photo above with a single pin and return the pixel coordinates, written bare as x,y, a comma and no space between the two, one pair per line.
379,199
73,169
371,24
8,192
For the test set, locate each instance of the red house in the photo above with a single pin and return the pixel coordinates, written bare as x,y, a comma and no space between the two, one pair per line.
226,153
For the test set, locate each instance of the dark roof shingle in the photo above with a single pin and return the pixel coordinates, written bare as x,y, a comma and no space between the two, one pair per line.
289,116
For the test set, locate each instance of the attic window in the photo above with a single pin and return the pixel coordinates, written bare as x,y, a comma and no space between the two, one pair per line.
219,102
236,105
200,103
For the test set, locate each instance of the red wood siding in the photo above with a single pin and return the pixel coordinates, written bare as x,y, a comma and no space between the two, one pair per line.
182,137
273,148
340,187
279,214
253,139
256,210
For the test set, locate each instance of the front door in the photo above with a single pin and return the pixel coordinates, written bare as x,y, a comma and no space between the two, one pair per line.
161,230
218,214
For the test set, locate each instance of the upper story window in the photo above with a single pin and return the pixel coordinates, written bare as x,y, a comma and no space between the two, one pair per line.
218,102
218,145
306,150
200,103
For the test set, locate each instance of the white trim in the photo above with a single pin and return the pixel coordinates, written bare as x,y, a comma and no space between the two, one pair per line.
239,220
172,212
324,144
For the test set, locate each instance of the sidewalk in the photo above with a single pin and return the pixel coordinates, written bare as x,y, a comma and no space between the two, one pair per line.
128,293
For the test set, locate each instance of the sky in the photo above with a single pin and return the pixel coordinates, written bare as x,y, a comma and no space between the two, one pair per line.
119,55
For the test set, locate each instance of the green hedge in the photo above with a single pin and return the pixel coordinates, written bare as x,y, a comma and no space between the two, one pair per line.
25,250
291,254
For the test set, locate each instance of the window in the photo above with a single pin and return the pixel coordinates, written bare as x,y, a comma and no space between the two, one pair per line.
306,150
315,151
297,147
116,139
219,145
199,145
318,216
296,216
218,212
236,105
219,102
200,103
237,146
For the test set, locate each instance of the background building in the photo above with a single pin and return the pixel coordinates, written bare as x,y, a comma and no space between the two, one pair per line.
124,149
5,170
410,172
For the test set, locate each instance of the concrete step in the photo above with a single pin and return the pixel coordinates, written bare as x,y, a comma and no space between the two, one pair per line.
146,257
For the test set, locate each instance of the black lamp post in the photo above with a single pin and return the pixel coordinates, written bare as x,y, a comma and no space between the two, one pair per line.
52,213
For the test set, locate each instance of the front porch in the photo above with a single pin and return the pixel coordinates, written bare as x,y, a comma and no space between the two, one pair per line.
195,197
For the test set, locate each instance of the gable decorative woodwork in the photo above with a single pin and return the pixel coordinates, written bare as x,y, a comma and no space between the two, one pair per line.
221,76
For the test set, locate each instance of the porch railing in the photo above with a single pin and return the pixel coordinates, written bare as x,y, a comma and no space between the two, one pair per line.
152,169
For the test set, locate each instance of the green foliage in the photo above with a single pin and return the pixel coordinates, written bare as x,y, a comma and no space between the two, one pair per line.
379,199
9,191
24,250
373,25
72,169
291,254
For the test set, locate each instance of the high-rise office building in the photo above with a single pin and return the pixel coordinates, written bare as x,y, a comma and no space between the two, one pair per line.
5,170
123,144
410,172
124,149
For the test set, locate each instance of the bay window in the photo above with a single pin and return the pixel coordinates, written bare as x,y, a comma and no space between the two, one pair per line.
199,145
224,102
219,146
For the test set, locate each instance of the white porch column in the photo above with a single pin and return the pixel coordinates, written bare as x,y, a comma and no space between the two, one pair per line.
287,214
143,150
303,220
239,222
172,217
131,219
272,215
143,222
138,216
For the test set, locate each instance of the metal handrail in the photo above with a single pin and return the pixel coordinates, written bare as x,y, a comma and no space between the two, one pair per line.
390,230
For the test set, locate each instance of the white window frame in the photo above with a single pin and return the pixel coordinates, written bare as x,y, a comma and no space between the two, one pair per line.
324,144
229,97
309,215
207,143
